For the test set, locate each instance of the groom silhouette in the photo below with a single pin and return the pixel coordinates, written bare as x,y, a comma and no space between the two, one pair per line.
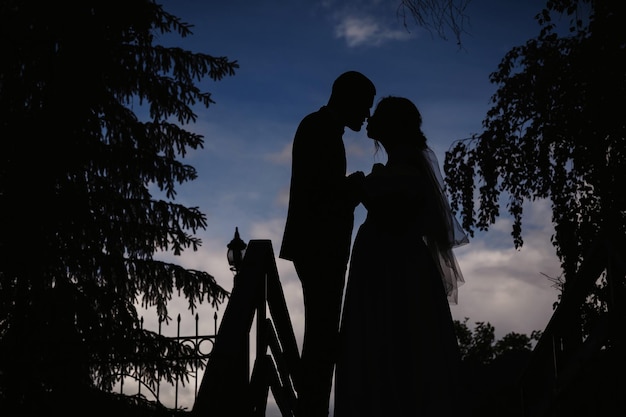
318,229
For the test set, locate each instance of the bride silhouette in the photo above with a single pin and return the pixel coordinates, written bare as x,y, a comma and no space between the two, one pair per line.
398,354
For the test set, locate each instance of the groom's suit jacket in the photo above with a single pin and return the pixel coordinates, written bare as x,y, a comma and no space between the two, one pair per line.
320,215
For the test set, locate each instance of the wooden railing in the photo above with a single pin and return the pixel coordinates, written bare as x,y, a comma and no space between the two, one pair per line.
551,383
228,389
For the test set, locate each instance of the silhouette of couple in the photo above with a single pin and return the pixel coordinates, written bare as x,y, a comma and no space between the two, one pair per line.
393,342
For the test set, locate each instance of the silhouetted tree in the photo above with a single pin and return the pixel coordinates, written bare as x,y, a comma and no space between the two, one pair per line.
492,368
555,131
480,346
91,125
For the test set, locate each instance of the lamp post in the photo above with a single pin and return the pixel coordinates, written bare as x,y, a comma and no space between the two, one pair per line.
236,251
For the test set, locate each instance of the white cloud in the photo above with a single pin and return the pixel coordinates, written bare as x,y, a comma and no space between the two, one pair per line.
505,286
359,31
283,157
269,229
282,199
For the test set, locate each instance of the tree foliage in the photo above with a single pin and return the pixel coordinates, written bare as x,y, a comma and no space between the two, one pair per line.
79,158
555,131
479,345
492,368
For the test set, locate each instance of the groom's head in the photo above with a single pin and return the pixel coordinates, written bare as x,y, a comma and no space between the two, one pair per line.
351,98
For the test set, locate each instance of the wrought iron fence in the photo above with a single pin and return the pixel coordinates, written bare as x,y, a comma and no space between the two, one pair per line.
166,393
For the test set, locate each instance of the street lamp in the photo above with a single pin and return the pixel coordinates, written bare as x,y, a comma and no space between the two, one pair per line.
236,250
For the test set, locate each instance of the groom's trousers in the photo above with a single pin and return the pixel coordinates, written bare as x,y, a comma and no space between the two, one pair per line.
322,288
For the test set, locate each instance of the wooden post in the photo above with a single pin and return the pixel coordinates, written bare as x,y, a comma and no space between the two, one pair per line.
224,391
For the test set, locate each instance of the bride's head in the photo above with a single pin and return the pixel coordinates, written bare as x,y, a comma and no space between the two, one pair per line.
396,122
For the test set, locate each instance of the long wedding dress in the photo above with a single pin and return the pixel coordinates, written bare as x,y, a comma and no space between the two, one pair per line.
398,354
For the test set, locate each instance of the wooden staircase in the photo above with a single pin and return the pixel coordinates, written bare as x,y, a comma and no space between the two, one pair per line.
228,389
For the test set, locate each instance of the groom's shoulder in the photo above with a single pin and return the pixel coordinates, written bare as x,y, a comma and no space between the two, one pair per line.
316,116
319,120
